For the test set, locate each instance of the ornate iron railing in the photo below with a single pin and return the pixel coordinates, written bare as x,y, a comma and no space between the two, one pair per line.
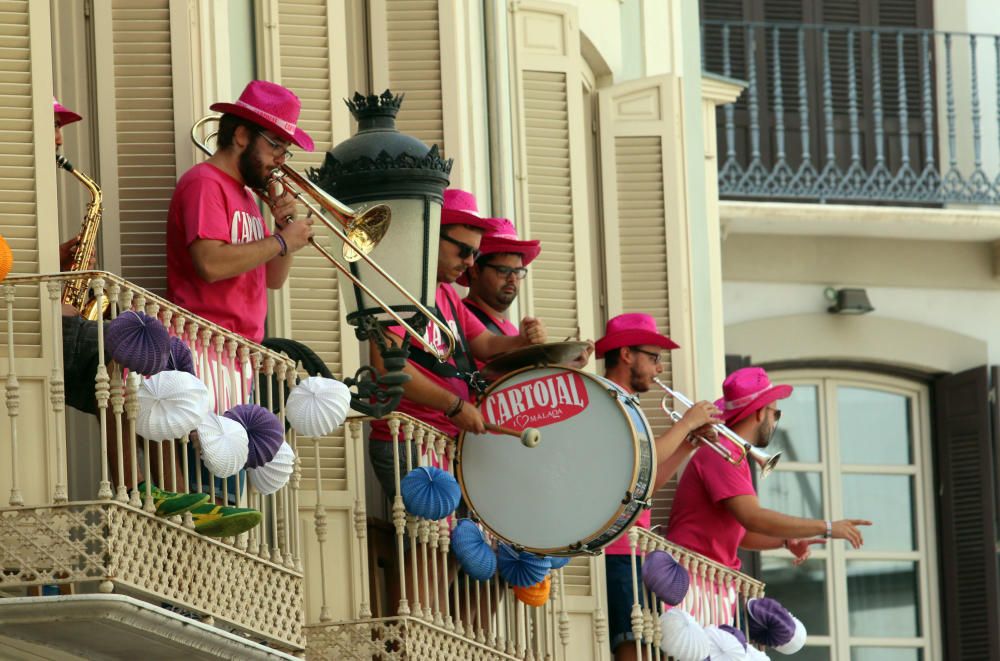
860,114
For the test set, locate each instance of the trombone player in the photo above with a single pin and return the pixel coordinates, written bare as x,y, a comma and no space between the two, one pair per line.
715,510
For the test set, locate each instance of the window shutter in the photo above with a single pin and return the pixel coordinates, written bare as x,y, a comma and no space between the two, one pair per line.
406,58
143,82
307,54
22,219
966,517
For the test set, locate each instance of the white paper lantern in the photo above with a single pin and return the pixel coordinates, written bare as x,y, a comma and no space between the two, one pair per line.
798,639
171,404
754,654
224,445
683,637
724,646
317,406
274,474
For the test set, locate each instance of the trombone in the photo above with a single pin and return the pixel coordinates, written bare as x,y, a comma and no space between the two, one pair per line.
765,461
361,232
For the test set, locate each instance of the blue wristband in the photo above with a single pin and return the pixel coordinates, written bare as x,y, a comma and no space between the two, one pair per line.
284,246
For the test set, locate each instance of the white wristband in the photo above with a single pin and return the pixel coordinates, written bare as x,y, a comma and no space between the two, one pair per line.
829,529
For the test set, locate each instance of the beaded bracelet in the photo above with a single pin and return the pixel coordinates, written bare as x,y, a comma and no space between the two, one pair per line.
284,246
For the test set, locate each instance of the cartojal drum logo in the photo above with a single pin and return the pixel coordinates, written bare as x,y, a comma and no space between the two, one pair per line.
537,403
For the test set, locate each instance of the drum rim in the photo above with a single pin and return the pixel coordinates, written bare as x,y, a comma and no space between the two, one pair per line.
564,550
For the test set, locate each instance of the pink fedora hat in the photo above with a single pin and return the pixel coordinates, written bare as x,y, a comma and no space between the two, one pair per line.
460,208
64,114
272,107
747,390
629,330
504,240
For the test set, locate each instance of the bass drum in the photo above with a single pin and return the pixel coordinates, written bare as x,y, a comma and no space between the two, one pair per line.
582,486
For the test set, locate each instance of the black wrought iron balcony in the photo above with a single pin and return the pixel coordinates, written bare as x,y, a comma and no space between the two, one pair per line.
857,114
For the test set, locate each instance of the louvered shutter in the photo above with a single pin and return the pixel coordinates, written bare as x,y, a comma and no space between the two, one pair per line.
551,204
406,58
306,56
967,520
29,211
142,72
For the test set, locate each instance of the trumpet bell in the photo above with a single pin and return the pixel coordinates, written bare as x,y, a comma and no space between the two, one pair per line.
366,230
764,461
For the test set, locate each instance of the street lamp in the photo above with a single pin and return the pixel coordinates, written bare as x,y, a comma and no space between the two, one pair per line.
380,165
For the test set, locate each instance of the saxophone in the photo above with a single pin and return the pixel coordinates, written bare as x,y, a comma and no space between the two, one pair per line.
77,292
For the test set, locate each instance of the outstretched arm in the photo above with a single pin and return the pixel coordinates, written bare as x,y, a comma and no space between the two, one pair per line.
760,520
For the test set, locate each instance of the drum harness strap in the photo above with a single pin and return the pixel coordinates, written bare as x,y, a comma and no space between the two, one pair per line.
487,320
464,367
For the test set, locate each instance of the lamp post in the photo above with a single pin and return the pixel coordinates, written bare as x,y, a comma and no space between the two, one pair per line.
380,165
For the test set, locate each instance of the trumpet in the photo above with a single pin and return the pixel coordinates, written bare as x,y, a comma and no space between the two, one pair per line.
360,232
765,461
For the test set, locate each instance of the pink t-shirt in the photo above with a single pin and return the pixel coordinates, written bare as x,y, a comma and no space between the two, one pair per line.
622,546
699,520
446,299
505,327
209,204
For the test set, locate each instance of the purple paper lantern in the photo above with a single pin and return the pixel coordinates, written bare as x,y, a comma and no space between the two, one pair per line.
521,569
770,623
735,633
180,357
138,342
265,431
665,578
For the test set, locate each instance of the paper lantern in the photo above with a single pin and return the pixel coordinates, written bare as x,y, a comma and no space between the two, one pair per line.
754,654
534,595
6,258
138,342
430,493
723,646
735,633
558,561
683,637
317,406
664,577
179,357
274,474
171,404
265,431
798,639
224,445
769,622
521,569
473,552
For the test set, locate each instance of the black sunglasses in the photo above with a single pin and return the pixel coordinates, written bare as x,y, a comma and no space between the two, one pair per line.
464,249
519,272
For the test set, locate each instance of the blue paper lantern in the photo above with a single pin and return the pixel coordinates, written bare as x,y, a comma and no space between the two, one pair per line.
558,562
430,492
522,569
474,553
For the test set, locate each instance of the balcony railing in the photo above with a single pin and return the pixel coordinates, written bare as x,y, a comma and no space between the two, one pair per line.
857,114
717,594
439,617
111,540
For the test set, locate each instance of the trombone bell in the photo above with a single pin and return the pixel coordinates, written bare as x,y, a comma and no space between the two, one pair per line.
366,230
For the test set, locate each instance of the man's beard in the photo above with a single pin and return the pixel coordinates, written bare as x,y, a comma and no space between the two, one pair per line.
251,168
637,382
504,299
764,435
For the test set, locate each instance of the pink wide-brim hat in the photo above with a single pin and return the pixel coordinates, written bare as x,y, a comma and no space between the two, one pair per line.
272,107
64,114
505,241
460,208
629,330
747,390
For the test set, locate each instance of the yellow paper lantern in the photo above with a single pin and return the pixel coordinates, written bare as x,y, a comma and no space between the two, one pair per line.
535,595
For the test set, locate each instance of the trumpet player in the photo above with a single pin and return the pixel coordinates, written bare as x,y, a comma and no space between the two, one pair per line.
715,510
221,258
632,349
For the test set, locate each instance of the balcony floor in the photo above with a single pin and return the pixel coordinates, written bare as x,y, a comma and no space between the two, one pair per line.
120,627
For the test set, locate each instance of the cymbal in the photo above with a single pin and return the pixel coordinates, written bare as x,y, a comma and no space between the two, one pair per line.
536,355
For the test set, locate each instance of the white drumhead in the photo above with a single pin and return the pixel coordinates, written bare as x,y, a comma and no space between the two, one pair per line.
570,486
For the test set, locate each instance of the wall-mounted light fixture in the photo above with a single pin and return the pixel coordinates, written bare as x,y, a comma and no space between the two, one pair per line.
848,301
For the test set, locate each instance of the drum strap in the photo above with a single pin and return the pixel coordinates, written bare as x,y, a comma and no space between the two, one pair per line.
487,320
463,367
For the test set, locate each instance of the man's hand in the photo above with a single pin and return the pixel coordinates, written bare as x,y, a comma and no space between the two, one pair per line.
469,419
848,529
283,209
700,418
581,361
297,234
533,331
800,548
67,253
